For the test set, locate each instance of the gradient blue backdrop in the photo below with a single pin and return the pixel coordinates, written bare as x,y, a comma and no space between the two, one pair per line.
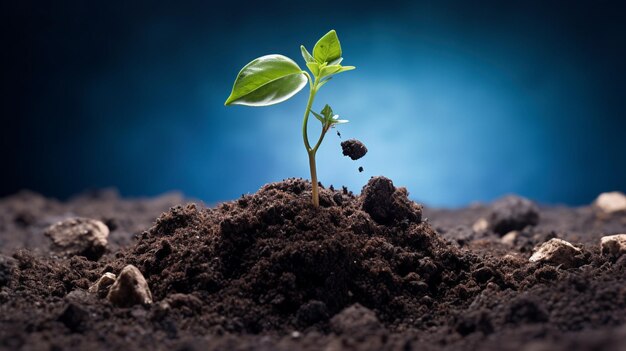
457,101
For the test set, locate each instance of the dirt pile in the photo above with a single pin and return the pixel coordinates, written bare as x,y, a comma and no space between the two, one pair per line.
271,261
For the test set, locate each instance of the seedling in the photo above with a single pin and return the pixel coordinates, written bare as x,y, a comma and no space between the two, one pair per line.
271,79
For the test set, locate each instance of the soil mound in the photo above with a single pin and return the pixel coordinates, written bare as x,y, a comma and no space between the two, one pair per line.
272,261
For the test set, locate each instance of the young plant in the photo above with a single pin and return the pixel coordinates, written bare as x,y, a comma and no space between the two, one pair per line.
271,79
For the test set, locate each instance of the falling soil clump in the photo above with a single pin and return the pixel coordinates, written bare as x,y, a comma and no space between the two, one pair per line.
353,148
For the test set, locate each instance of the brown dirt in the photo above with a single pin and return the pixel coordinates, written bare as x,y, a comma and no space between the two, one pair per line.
269,271
353,148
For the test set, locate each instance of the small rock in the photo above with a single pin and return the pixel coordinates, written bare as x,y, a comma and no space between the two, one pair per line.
102,286
611,202
480,225
353,148
79,236
613,245
355,320
509,238
558,252
130,288
386,203
512,213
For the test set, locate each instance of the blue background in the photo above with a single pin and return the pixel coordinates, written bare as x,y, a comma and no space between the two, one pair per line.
457,101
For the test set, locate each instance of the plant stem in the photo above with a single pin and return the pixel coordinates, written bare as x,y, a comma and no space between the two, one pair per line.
305,121
311,151
315,191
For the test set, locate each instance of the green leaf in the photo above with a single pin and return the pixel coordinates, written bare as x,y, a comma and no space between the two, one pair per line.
328,48
267,80
314,68
306,55
345,69
323,81
327,112
318,116
334,69
329,70
336,62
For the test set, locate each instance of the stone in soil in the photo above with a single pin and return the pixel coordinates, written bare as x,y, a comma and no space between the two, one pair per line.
613,245
353,148
102,285
558,252
79,236
611,202
130,288
512,213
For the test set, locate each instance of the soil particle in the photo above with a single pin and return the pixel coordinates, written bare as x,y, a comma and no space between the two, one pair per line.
558,252
512,213
387,204
353,148
130,288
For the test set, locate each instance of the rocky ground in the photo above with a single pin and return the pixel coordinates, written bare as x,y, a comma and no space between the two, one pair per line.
270,272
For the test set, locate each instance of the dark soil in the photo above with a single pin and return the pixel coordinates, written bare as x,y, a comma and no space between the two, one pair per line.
353,148
269,271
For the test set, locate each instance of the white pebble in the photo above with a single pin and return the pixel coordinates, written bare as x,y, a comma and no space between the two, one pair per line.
613,245
611,202
509,238
480,225
130,288
556,251
79,236
102,285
